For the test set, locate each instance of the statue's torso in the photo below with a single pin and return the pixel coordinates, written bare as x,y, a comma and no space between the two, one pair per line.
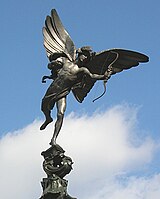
70,72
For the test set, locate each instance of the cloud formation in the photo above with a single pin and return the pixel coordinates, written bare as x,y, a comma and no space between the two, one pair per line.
105,148
130,187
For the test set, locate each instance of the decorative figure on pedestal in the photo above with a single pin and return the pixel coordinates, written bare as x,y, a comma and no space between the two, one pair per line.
74,70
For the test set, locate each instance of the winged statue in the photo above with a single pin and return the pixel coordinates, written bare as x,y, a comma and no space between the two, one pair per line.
76,70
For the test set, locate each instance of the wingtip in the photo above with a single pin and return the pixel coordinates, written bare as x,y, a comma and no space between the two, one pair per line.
54,12
145,59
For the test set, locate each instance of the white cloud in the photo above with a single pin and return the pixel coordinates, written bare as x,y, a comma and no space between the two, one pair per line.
132,188
101,146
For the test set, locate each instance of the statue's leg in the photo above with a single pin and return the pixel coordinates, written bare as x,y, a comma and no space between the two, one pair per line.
61,107
47,112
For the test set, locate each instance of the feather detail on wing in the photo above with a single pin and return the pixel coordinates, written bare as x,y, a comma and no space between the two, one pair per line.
101,61
56,38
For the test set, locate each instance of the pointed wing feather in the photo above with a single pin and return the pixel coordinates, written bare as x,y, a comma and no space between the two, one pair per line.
51,28
99,64
63,34
49,44
56,38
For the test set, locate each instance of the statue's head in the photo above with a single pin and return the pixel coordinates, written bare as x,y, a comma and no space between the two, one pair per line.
84,54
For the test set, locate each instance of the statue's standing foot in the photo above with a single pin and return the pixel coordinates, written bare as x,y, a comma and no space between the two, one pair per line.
46,123
53,142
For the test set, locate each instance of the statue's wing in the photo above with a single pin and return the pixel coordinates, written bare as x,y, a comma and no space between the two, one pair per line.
126,60
56,38
81,92
99,64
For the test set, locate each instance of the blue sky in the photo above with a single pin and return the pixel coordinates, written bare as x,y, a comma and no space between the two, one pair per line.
101,24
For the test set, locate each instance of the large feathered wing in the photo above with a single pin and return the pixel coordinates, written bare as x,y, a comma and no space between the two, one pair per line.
56,38
121,59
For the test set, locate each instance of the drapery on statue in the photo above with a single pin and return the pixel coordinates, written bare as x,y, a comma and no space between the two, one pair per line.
76,70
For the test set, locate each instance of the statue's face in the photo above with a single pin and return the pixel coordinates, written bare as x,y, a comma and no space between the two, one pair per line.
82,57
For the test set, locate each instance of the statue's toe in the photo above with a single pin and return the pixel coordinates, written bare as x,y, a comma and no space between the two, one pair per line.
53,142
45,124
43,127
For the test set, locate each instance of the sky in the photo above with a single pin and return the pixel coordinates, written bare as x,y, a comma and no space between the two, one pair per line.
116,137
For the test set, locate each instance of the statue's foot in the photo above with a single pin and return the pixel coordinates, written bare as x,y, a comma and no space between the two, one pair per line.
46,123
53,142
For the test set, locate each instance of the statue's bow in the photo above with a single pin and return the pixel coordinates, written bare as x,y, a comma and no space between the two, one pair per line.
108,73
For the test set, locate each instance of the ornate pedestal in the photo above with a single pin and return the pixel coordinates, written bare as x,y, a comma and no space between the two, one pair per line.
56,165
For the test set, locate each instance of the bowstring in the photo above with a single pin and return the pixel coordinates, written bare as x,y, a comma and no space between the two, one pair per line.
109,70
101,72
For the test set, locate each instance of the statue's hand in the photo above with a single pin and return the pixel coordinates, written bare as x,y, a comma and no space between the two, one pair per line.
43,79
106,75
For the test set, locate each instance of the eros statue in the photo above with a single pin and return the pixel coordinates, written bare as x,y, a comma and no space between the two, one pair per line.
76,70
72,70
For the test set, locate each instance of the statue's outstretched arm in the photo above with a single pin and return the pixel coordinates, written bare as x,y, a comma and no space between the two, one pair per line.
94,76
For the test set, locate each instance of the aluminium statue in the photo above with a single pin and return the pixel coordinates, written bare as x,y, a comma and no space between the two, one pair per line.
76,70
